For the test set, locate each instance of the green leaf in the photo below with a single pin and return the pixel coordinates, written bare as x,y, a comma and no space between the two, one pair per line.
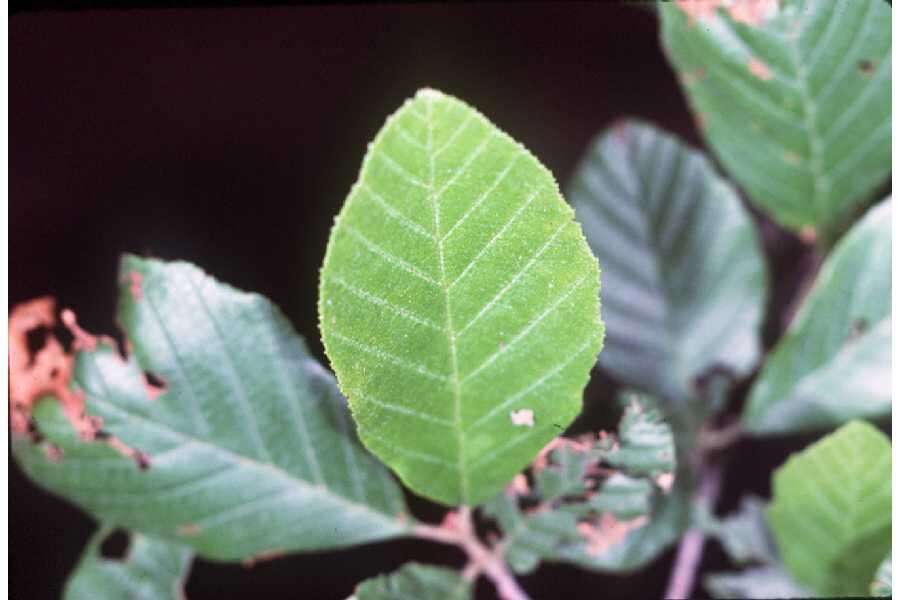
797,105
617,524
881,586
745,534
770,581
413,580
152,569
831,511
646,443
834,363
457,289
251,448
683,279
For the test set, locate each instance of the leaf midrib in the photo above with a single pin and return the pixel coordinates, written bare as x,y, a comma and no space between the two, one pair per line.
445,288
238,460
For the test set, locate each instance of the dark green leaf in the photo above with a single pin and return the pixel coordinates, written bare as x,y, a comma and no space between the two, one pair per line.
416,582
152,569
251,449
683,279
796,101
834,363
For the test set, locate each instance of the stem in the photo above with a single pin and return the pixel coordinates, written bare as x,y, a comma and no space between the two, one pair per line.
690,550
458,530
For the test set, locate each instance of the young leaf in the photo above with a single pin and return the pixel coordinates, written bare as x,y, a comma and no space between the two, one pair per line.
764,583
834,364
794,97
422,582
745,535
458,302
251,449
153,569
831,511
617,524
684,282
882,584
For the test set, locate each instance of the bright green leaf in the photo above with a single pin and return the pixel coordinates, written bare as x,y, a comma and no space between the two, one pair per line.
683,279
251,447
882,584
796,104
764,583
458,302
831,510
834,363
416,581
152,569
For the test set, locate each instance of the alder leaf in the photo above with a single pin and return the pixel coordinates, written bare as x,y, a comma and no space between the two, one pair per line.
416,581
683,280
251,449
152,569
834,363
882,584
831,510
793,96
458,302
582,513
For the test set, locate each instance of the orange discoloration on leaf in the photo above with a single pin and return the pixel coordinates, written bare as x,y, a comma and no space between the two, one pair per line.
518,486
752,12
808,234
609,532
699,120
698,10
262,557
136,281
692,76
188,530
46,373
54,453
49,373
665,481
759,69
543,457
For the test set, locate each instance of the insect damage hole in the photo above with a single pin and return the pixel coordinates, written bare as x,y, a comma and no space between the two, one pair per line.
115,545
522,418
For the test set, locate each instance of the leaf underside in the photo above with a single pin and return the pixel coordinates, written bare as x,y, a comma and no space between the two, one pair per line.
764,583
834,363
883,582
796,103
153,569
251,446
416,581
831,510
457,289
683,279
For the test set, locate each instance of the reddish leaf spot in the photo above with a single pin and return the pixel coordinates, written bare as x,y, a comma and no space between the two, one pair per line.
752,12
698,10
154,385
759,69
807,234
136,281
188,529
608,532
866,67
262,557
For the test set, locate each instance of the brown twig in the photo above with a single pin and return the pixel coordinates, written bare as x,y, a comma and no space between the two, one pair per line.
690,550
458,530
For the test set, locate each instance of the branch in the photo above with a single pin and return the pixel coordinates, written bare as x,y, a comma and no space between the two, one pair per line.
458,530
690,550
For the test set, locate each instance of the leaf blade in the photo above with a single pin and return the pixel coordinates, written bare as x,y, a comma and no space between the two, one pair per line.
800,390
228,492
684,281
413,580
837,493
425,348
808,83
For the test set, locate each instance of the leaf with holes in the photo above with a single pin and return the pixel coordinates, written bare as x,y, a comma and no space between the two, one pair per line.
793,96
684,282
152,569
834,363
251,448
831,510
413,580
764,583
458,302
592,516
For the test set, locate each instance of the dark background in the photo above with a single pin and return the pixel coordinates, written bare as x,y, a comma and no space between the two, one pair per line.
229,137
